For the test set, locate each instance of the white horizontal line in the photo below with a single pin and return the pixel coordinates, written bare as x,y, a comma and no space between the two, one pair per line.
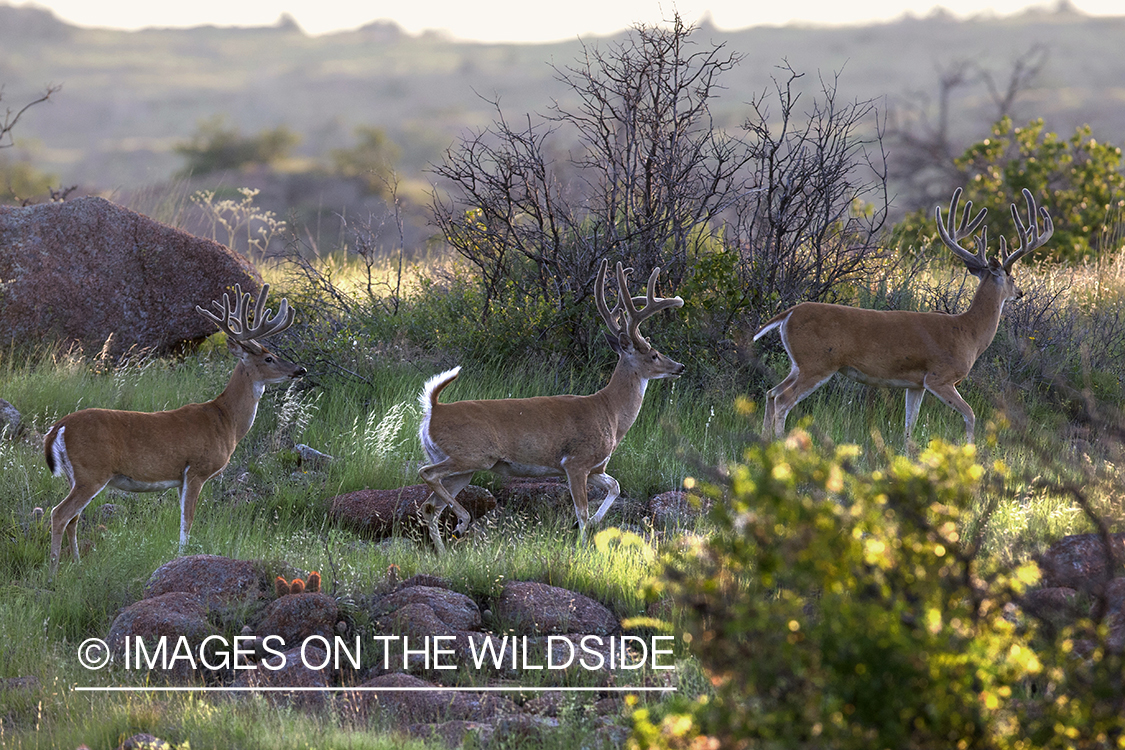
269,689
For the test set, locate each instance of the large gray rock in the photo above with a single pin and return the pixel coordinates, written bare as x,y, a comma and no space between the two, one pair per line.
305,667
379,513
1082,562
535,608
10,421
295,617
170,616
402,701
83,269
455,611
217,581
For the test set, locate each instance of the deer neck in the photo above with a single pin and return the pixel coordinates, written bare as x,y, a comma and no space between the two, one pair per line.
623,395
239,402
983,316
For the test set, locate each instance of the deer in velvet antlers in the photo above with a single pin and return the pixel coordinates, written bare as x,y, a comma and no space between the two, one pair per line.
181,448
571,436
916,351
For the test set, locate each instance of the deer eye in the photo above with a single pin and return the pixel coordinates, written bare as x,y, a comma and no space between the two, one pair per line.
269,359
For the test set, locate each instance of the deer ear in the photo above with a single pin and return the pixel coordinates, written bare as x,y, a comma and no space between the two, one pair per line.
613,343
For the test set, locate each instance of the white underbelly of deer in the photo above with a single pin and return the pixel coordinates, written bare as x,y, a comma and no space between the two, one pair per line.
516,469
128,484
862,377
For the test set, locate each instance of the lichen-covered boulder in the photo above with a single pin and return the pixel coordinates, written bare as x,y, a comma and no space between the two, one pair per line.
80,270
379,513
540,609
217,580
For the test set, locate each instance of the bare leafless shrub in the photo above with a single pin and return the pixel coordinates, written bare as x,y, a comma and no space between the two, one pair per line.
744,223
339,312
8,123
813,220
922,129
1067,334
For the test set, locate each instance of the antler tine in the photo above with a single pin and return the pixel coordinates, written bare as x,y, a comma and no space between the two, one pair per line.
653,305
609,317
624,299
234,321
1030,237
264,325
952,234
228,315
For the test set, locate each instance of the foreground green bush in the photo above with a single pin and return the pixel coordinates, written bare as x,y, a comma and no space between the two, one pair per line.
834,608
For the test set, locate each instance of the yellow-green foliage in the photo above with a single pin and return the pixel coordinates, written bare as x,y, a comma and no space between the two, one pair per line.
20,181
837,608
216,145
1078,179
372,160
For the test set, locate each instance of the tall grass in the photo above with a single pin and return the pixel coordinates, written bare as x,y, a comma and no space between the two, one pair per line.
362,409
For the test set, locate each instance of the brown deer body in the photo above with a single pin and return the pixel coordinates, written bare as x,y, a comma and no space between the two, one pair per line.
157,451
571,436
916,351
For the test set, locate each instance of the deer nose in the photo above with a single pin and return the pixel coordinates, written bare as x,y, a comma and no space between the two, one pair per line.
298,372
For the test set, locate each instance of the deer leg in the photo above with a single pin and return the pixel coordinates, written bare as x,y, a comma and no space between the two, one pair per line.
576,478
433,475
949,396
454,484
792,391
190,488
72,536
430,513
769,426
913,406
612,490
64,519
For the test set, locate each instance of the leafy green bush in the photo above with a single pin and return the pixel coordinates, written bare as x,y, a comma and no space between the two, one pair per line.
838,608
216,145
20,181
372,160
1079,180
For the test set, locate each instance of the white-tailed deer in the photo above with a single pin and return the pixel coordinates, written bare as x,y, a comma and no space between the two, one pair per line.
571,436
918,351
181,448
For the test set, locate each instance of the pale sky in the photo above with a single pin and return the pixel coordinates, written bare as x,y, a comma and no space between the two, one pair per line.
522,20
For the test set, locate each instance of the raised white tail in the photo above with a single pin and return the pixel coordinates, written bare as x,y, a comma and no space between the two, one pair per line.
571,436
181,448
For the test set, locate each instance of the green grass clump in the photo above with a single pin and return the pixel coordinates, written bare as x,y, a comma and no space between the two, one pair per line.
359,404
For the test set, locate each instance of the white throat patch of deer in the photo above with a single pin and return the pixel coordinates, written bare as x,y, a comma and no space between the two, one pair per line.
181,448
571,436
917,351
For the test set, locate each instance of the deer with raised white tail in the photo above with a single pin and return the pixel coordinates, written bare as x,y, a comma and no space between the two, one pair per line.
917,351
181,448
571,436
